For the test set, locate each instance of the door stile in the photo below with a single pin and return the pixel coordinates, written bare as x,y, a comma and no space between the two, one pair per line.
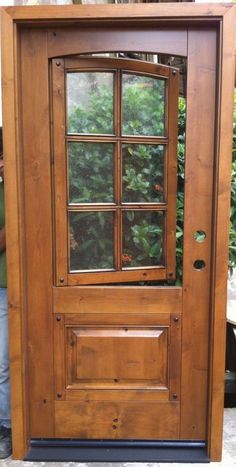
60,170
171,178
197,216
38,221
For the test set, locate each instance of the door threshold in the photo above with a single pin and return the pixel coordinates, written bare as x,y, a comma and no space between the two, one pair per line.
57,450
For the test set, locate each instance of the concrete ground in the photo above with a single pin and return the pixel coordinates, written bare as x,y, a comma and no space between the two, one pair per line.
229,453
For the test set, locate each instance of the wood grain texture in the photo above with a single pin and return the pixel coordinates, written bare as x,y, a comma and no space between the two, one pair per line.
61,240
221,235
59,356
15,238
112,420
175,352
161,40
38,228
118,395
136,15
70,330
125,12
108,318
117,299
137,357
171,167
197,216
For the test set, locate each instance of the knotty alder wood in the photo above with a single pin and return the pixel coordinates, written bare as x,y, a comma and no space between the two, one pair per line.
137,357
110,420
15,241
60,168
38,226
117,299
221,237
140,15
120,13
197,215
168,40
63,206
67,357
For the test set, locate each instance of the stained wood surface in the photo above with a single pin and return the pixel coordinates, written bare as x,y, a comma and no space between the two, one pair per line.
175,353
38,228
117,299
130,14
137,357
162,40
141,330
197,216
221,236
125,12
15,240
113,420
118,395
58,101
171,172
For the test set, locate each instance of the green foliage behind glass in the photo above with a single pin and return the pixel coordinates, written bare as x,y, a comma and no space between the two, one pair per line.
104,184
91,172
143,101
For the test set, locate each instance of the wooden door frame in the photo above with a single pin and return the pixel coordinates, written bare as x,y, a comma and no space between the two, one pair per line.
221,19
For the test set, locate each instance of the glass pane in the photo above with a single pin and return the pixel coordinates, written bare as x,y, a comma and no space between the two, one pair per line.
90,102
90,172
142,238
143,173
91,240
143,105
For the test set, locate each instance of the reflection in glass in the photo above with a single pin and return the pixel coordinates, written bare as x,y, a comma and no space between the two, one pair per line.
143,173
143,233
90,102
143,105
90,172
91,240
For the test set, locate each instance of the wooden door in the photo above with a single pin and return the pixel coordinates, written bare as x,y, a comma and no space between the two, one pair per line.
117,363
152,361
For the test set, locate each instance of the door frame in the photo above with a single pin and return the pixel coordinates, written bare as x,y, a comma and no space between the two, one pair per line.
219,18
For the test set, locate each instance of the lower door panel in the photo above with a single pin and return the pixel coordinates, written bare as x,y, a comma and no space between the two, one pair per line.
117,420
117,376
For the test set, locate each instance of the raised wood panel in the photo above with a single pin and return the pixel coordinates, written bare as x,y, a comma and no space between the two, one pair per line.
108,357
144,352
117,299
113,420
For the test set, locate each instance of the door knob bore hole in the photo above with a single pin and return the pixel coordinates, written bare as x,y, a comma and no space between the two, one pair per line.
199,264
199,236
